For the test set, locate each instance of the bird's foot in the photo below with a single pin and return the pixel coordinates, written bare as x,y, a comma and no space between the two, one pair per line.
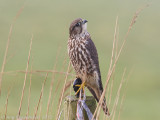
80,87
76,85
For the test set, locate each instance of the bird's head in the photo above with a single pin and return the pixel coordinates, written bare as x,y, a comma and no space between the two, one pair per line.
78,27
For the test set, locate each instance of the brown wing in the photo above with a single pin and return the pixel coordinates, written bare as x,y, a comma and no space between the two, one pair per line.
93,93
94,56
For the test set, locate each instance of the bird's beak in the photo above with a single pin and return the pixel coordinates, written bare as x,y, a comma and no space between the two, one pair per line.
84,21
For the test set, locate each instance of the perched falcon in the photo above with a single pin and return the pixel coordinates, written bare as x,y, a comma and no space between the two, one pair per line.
84,59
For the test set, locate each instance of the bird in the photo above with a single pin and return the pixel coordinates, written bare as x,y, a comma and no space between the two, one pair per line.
84,59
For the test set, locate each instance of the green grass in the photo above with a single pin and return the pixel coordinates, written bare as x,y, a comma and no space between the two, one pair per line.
49,22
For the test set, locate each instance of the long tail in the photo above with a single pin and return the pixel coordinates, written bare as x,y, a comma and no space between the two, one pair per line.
104,106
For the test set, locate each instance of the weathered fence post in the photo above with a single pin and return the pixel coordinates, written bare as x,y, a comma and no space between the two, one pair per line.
70,107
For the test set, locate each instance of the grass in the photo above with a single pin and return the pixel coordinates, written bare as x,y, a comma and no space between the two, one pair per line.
56,77
25,78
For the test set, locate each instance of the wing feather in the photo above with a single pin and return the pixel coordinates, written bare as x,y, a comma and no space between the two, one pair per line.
94,56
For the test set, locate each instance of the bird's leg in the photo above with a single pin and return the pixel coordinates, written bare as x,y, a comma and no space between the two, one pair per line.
78,85
81,86
84,95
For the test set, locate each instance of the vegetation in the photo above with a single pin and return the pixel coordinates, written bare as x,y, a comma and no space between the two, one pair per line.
35,72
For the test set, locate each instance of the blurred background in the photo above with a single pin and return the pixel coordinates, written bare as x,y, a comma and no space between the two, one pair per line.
49,22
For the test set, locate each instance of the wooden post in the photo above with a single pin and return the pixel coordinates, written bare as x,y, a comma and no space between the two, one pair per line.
70,107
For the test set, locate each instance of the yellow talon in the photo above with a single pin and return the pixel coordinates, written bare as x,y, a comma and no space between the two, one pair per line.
81,87
78,85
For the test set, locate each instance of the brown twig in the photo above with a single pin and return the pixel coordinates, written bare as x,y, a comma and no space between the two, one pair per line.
110,97
117,39
59,82
109,71
5,55
29,94
125,90
63,91
7,104
41,95
67,86
39,71
25,78
7,45
40,107
51,87
118,94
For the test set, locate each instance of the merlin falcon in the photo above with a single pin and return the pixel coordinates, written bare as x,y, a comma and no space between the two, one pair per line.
84,59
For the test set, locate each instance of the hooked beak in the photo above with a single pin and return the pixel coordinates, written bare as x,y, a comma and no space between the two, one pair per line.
84,21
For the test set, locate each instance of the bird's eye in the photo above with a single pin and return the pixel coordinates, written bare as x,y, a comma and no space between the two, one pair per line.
78,24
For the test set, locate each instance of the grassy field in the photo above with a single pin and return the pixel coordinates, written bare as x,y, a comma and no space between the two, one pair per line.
49,22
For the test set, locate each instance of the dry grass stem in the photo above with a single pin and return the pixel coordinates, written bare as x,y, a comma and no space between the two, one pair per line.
29,94
123,97
51,87
7,104
129,29
59,81
109,74
39,71
113,48
110,97
118,94
117,39
69,85
7,45
40,107
63,92
5,56
41,95
18,13
125,90
24,84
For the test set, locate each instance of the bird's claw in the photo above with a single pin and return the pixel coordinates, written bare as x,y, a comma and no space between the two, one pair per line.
81,87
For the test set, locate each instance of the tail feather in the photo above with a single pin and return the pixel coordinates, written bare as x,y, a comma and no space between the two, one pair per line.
104,106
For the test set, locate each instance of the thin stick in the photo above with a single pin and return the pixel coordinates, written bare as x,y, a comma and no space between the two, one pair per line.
117,41
59,81
116,51
51,87
114,41
40,107
24,84
110,97
123,97
29,94
7,104
129,29
7,45
118,94
5,56
41,95
69,102
125,90
116,36
39,71
63,92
